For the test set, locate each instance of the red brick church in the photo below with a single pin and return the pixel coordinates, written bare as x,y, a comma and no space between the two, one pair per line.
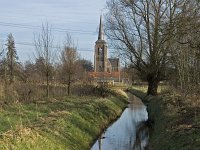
106,70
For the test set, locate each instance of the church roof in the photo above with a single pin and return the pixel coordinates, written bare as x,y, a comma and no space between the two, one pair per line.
101,34
104,74
114,62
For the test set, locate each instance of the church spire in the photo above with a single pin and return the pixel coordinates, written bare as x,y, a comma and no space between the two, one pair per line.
100,36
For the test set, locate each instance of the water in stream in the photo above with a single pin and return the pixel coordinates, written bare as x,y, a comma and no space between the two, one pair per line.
129,132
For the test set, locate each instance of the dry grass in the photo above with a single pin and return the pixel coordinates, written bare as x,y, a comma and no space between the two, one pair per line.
176,120
121,92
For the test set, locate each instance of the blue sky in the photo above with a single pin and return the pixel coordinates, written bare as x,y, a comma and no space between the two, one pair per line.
24,18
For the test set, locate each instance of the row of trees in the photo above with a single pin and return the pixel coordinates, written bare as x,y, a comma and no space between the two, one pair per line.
185,49
45,71
158,37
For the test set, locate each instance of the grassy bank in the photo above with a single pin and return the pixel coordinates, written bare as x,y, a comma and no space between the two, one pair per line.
70,123
176,121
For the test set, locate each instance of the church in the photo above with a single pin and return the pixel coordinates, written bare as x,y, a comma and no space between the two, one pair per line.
106,70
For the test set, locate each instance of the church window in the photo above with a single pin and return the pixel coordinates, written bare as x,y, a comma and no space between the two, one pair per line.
101,54
100,51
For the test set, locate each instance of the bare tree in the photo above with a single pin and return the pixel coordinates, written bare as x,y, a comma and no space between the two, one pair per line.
1,70
142,31
2,59
69,57
1,50
44,46
185,48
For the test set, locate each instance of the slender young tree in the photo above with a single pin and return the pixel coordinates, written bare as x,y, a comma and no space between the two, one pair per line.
1,50
69,57
2,64
44,49
2,59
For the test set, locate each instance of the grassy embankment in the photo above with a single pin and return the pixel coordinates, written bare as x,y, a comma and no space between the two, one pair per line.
71,123
176,121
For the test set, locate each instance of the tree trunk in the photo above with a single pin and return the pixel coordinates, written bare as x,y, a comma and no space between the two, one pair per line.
11,72
5,83
152,87
69,85
47,77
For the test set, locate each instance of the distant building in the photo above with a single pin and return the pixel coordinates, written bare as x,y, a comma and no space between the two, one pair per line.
106,70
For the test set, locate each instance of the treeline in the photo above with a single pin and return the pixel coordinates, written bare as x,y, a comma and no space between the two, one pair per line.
185,51
52,74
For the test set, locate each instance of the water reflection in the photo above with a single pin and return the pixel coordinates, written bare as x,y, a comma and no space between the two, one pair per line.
142,136
129,132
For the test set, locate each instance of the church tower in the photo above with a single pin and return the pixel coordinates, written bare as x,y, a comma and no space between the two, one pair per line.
100,56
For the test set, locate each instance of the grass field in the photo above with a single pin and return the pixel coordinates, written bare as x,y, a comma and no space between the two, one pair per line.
70,123
144,88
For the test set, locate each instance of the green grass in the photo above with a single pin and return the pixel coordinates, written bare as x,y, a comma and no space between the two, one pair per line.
175,127
144,88
70,123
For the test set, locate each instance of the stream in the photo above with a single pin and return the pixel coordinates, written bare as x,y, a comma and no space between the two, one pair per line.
129,132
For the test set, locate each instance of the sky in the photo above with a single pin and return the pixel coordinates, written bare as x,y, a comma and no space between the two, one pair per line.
24,18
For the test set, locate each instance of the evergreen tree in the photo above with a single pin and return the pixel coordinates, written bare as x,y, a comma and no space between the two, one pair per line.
11,57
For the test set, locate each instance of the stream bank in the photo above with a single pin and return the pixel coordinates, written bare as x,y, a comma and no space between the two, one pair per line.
176,126
70,123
